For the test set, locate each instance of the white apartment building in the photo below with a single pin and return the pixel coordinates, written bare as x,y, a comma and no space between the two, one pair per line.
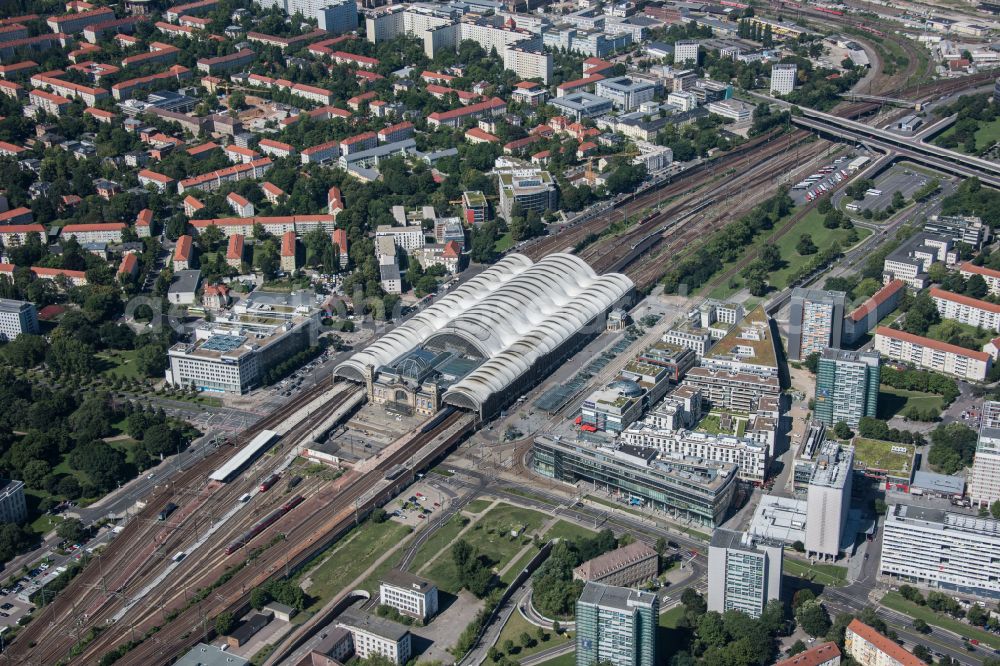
404,238
685,101
529,60
699,343
98,232
966,310
937,548
375,635
686,50
783,79
742,575
932,354
990,276
17,317
409,594
828,500
868,647
984,482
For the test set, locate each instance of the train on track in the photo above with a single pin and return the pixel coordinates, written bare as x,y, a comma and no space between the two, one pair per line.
271,519
438,419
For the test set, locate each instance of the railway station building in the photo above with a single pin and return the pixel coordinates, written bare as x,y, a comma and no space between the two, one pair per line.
484,343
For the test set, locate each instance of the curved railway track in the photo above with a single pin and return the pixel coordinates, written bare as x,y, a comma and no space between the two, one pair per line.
132,559
327,515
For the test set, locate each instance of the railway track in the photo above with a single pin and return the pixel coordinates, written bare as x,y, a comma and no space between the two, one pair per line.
132,558
327,515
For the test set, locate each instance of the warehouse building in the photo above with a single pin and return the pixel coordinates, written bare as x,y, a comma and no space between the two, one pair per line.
517,320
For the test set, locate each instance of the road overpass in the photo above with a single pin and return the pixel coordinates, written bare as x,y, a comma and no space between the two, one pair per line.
935,157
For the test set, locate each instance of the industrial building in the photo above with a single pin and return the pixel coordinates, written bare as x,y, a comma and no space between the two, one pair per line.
815,321
616,625
742,575
691,489
828,500
515,321
846,386
938,548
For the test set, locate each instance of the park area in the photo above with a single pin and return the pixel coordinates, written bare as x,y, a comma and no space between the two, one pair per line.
893,401
893,460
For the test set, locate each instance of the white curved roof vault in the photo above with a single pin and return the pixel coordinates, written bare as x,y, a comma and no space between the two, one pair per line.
514,313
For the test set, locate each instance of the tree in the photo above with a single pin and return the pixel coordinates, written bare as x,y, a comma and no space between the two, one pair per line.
26,350
556,627
842,430
71,530
224,623
797,647
259,598
922,653
921,626
526,640
995,509
976,286
798,547
802,596
921,315
812,362
770,256
806,246
813,618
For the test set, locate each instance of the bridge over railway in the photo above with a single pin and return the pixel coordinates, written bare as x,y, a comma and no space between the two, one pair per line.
935,157
861,97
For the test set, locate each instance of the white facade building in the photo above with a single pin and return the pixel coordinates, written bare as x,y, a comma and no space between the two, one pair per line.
783,79
409,594
938,548
17,317
828,500
686,50
742,575
984,482
932,354
966,310
374,635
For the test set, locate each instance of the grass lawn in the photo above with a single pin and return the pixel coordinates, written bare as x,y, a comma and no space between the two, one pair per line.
516,626
566,530
811,224
896,602
478,505
45,523
825,574
987,132
439,542
119,363
892,401
490,536
504,243
670,618
516,567
946,329
350,558
878,455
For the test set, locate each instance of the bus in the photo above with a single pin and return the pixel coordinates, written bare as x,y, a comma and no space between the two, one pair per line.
873,192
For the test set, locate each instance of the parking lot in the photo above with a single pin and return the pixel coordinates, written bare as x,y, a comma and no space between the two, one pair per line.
836,173
899,178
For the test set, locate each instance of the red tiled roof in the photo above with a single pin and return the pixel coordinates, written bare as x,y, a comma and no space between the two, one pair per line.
877,299
479,133
492,103
158,177
144,218
129,264
451,250
580,83
969,267
884,644
814,656
21,229
182,251
288,244
99,226
235,249
933,344
964,300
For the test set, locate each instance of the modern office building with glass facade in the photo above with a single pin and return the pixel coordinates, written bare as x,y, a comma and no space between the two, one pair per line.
847,386
688,488
616,625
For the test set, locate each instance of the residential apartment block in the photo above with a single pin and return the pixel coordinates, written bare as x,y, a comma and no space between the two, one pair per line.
17,317
966,310
616,625
828,500
868,647
627,566
815,321
846,386
932,354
